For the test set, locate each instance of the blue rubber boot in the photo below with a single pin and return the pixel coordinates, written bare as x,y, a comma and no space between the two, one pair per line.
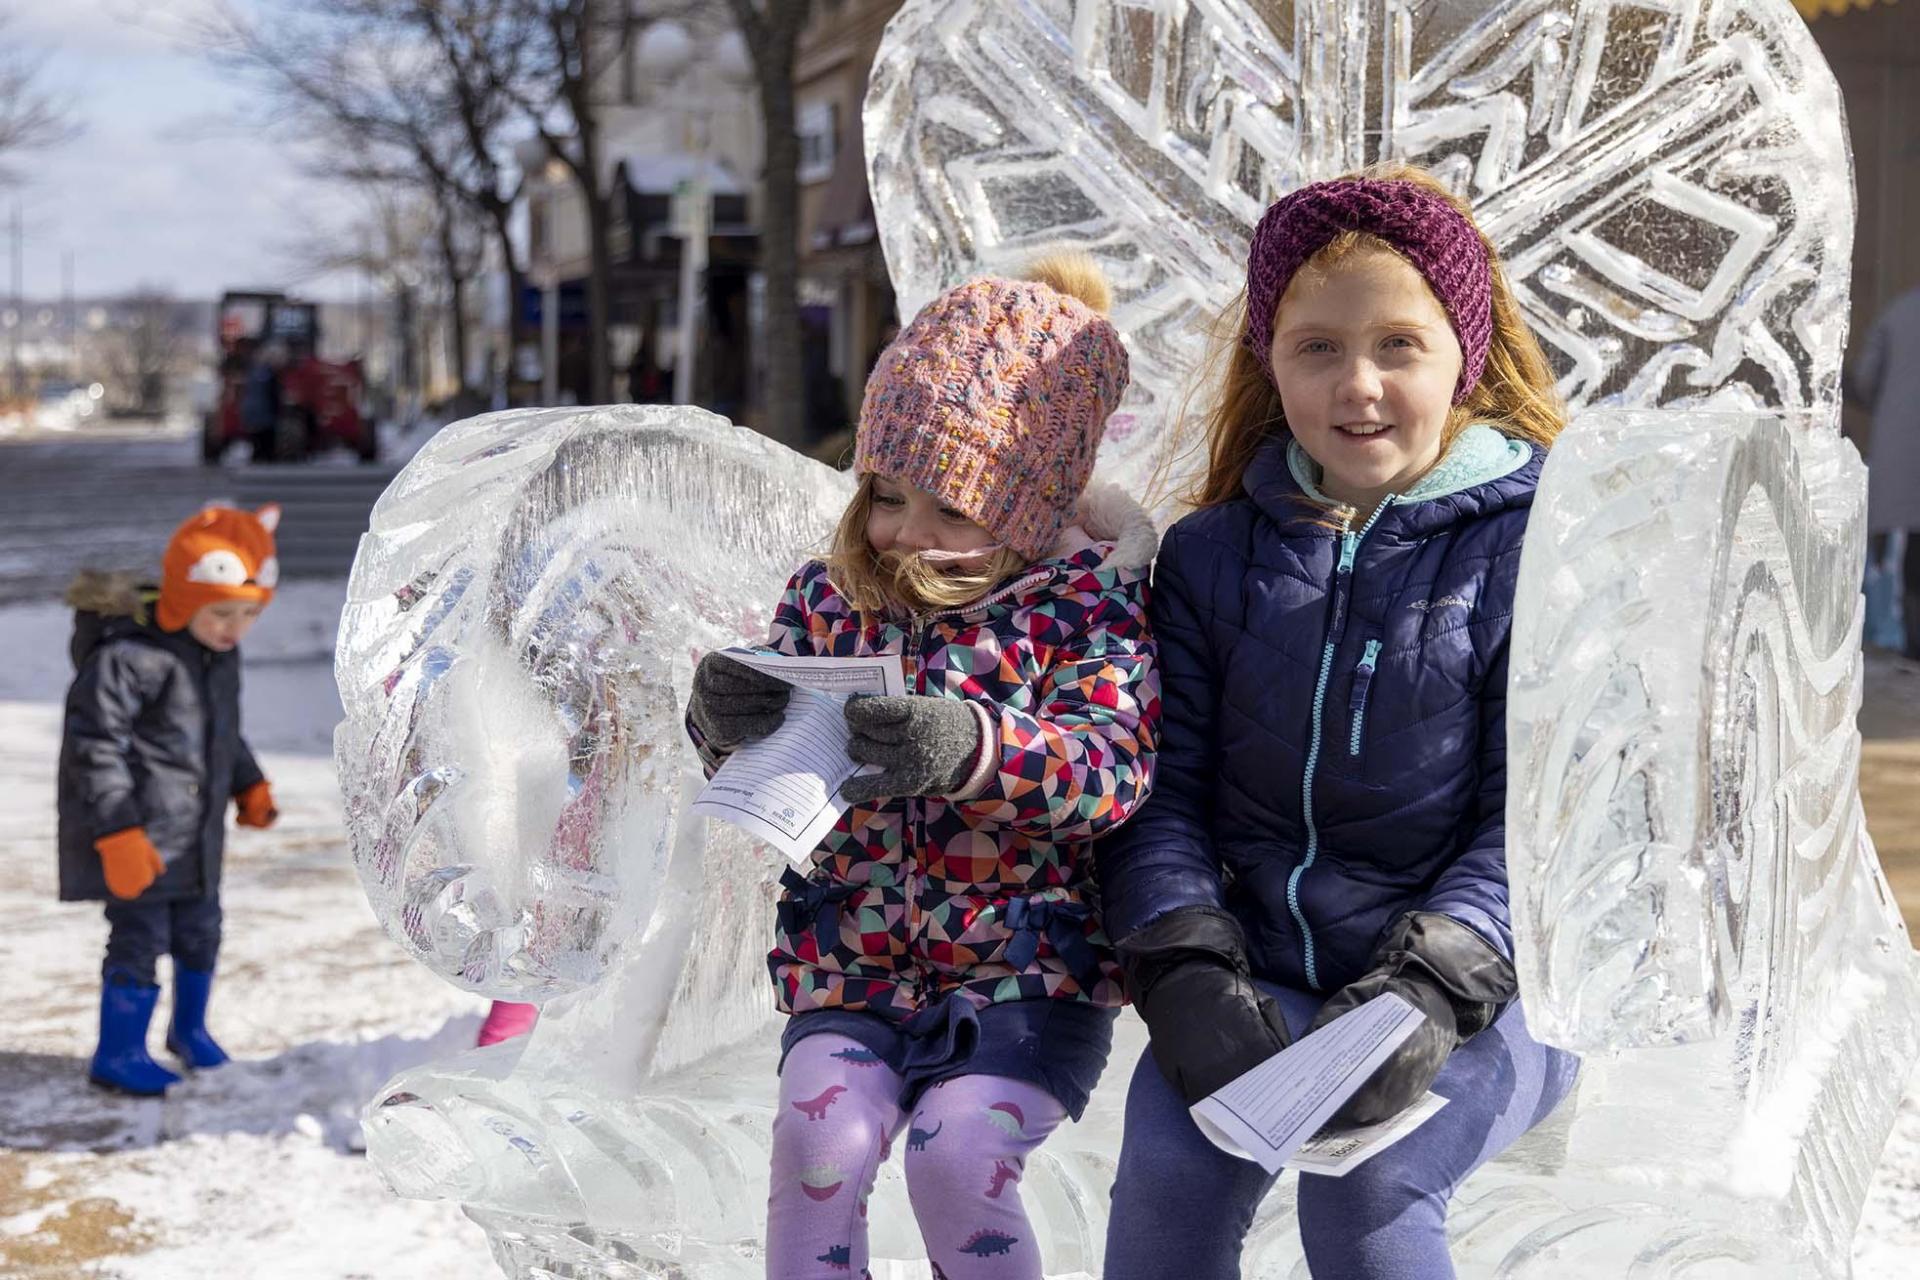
121,1061
187,1037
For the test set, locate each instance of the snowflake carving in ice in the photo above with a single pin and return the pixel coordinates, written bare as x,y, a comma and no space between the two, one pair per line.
1696,899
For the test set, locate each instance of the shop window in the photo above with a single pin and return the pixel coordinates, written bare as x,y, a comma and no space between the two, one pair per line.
817,123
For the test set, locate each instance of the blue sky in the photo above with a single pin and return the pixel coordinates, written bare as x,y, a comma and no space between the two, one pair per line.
173,181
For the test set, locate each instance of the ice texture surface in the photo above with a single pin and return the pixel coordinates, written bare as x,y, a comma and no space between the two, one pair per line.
1697,905
521,627
1668,182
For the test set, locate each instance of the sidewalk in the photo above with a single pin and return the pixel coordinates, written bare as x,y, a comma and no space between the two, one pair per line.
1890,774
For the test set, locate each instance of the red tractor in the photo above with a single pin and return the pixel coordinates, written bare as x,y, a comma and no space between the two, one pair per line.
275,391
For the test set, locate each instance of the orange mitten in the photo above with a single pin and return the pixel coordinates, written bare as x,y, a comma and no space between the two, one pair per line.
256,806
130,861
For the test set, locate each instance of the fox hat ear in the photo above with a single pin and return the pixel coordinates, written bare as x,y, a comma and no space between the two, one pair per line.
268,516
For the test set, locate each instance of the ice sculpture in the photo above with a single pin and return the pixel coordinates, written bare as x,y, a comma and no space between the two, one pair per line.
1697,901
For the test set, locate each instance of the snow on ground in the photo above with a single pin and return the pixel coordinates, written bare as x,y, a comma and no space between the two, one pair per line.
246,1172
243,1172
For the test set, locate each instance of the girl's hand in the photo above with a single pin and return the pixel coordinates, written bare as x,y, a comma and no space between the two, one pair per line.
1208,1023
732,702
925,746
1447,972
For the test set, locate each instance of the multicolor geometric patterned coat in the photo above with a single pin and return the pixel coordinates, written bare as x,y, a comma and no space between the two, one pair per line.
989,895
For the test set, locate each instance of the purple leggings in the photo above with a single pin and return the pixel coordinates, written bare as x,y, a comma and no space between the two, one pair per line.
967,1145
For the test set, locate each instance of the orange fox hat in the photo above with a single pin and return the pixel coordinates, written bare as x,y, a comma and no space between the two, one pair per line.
217,553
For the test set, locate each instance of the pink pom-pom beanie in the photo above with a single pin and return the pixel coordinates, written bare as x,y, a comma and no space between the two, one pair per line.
994,400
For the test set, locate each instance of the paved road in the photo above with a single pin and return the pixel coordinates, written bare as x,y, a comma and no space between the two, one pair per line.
72,502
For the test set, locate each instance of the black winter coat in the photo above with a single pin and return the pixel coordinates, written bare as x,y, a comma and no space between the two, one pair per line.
151,739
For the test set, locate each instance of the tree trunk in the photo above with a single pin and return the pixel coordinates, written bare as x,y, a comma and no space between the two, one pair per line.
784,402
408,379
586,126
499,219
599,297
457,332
456,303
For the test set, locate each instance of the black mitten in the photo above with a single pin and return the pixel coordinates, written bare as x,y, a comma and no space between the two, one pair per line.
1208,1023
1450,974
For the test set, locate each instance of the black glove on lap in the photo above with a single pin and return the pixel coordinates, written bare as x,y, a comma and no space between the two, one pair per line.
1446,971
1187,972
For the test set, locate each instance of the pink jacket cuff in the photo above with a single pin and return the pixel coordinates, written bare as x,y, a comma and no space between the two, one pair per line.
987,756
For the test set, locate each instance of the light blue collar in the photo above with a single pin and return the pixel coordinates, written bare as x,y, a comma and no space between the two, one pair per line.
1479,455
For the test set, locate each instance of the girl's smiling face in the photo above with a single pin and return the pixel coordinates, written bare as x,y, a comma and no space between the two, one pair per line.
906,520
1365,362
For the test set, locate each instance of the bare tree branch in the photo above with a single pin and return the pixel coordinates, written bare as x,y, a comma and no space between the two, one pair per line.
563,85
409,92
31,117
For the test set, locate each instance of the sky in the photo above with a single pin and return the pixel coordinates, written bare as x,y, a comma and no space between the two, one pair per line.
173,180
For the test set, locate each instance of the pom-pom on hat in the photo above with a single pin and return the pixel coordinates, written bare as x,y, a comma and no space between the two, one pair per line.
995,398
1422,225
217,553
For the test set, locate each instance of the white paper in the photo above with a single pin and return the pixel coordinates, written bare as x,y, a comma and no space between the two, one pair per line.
784,788
1337,1152
1268,1113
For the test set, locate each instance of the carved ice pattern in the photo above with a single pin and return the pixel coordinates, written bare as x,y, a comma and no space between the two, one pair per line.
1696,898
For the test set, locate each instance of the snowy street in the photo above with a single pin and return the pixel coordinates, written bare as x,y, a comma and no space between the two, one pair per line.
110,497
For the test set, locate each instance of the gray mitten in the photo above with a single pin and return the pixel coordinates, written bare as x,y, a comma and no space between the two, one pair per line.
732,702
925,746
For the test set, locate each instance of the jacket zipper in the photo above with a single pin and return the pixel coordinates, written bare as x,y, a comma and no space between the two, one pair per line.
1337,626
1362,682
916,632
1027,583
914,838
200,841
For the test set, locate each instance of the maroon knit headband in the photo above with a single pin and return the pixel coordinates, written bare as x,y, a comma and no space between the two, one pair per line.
1423,225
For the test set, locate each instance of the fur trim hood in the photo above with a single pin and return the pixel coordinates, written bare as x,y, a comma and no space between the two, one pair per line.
1109,513
111,594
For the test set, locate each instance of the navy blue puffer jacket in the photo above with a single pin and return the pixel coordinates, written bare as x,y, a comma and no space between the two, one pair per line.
1333,746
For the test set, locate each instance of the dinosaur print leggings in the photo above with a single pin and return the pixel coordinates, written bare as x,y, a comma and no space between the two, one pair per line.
967,1143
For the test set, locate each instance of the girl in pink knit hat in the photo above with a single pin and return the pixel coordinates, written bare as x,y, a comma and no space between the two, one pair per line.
947,978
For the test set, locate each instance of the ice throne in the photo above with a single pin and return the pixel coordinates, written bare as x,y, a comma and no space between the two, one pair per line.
1697,901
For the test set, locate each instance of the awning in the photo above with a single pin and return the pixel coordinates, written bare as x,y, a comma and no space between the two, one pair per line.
1811,9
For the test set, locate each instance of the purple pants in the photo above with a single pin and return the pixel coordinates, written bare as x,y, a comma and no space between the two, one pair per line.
1183,1207
968,1140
